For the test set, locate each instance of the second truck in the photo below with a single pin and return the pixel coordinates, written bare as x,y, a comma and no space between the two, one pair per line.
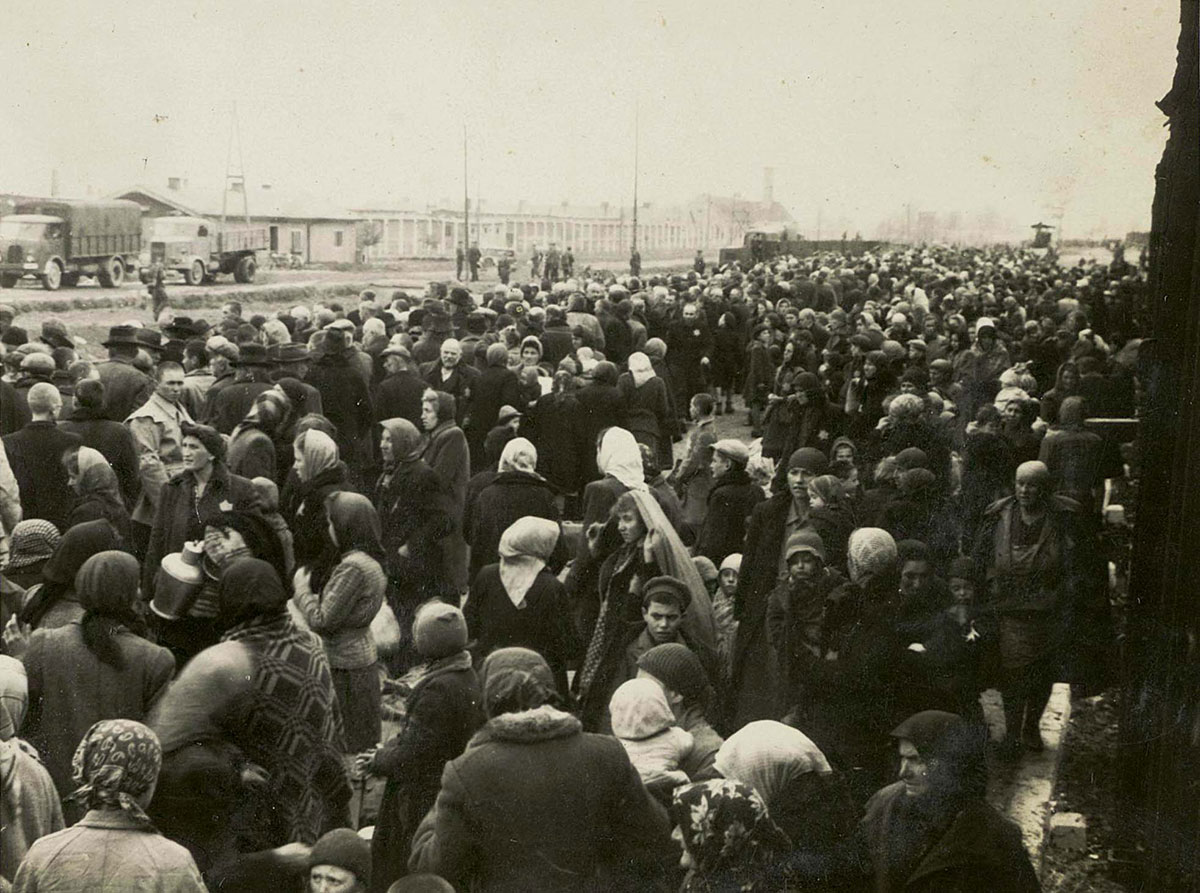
200,249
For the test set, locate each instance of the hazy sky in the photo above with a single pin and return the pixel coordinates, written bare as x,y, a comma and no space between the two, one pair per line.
860,105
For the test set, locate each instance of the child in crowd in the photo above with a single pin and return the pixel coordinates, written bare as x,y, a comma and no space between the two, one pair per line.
643,722
722,603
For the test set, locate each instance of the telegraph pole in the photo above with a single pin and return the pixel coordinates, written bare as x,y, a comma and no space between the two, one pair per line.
466,199
635,175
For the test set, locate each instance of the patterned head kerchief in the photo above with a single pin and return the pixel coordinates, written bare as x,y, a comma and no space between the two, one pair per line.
726,828
117,760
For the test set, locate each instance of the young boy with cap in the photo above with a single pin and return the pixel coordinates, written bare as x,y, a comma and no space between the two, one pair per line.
341,861
730,501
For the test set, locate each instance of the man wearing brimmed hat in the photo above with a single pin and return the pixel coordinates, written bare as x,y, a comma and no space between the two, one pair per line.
344,395
730,501
125,388
291,360
399,394
251,378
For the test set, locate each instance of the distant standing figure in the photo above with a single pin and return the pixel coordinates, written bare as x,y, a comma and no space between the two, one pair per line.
698,263
459,258
473,257
635,262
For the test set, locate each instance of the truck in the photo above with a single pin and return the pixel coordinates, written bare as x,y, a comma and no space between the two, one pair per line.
58,240
199,249
763,246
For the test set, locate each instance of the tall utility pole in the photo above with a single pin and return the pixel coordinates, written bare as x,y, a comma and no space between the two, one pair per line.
635,175
466,198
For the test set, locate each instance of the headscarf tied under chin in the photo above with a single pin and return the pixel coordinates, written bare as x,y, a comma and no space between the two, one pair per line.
525,547
768,755
320,452
116,762
519,454
640,368
620,457
407,444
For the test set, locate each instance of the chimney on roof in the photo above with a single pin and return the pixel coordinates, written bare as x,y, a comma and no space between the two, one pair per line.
604,208
768,186
266,187
174,183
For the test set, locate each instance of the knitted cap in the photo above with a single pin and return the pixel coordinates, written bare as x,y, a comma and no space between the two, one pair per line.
871,552
963,568
912,457
732,562
439,630
342,848
806,541
677,668
31,541
810,459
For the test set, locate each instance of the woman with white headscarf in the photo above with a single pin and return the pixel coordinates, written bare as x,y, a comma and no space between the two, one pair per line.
519,601
647,407
807,799
517,491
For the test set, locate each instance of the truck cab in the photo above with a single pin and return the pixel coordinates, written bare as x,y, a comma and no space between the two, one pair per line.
182,244
27,244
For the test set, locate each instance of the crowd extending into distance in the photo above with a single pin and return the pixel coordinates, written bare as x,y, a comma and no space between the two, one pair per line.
503,555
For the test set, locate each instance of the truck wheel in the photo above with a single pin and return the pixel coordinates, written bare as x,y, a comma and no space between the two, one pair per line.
52,276
112,272
194,275
246,269
8,281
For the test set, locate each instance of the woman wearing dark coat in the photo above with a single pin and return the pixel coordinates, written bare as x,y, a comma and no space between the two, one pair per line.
447,453
536,803
414,510
320,472
252,449
647,409
554,424
519,601
344,396
518,491
200,490
443,711
496,386
601,406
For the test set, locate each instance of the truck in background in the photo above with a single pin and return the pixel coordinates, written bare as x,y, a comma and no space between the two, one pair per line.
200,249
58,240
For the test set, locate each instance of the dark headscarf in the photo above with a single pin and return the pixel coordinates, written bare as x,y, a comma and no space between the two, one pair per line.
959,747
78,544
250,587
355,523
514,680
406,441
447,406
107,586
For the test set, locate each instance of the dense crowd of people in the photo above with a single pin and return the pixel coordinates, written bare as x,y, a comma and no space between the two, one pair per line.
504,554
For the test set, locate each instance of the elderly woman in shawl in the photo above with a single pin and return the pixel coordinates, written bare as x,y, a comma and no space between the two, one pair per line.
415,516
114,846
647,547
807,800
266,688
519,601
727,837
517,491
648,407
90,475
27,793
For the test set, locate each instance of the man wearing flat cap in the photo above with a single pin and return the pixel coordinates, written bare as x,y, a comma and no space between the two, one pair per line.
398,396
730,501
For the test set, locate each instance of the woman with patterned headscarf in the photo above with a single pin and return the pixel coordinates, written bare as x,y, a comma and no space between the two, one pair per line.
114,846
728,839
517,491
563,809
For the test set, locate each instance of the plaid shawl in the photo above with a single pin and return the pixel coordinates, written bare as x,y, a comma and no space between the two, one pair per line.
292,726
